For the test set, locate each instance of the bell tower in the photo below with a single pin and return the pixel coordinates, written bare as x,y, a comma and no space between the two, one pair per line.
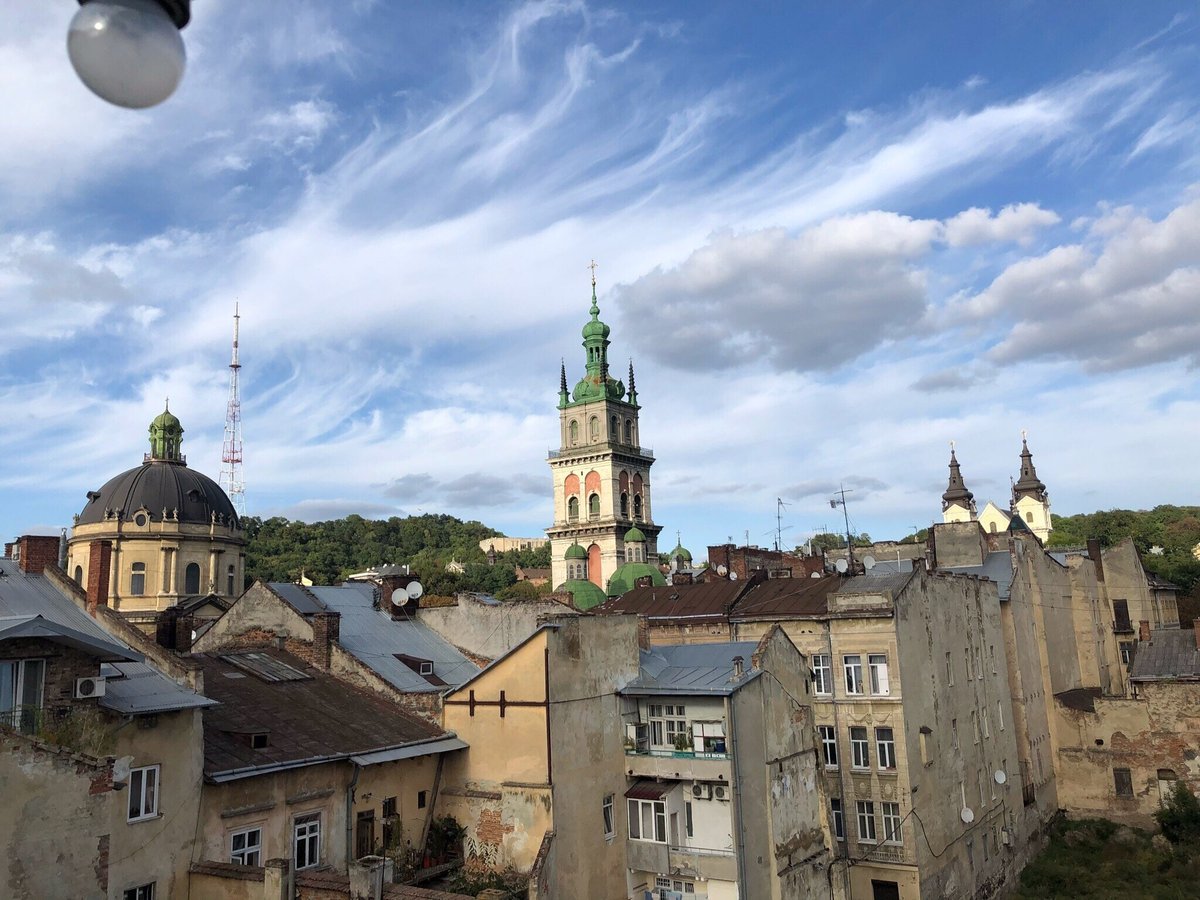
958,504
1029,498
601,471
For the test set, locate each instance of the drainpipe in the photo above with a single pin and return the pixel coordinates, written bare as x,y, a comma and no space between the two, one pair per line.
837,733
350,815
738,829
437,781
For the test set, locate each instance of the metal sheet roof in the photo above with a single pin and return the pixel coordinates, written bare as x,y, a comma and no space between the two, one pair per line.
376,639
1169,654
693,669
997,566
709,599
139,688
301,598
410,752
649,790
786,597
39,628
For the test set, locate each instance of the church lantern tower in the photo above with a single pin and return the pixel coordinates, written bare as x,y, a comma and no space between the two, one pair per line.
1030,501
958,503
601,471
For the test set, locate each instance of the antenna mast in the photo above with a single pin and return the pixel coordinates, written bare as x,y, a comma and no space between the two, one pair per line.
231,448
846,515
780,506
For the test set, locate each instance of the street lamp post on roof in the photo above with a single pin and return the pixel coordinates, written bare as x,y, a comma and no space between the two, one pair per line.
129,52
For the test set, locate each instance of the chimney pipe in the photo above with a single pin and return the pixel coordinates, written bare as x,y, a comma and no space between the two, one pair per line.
739,667
99,569
326,627
1144,630
37,552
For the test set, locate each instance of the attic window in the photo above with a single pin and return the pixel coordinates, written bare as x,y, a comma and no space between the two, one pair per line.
423,667
426,669
260,740
266,667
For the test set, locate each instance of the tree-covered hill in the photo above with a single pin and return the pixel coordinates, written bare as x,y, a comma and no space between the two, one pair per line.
279,550
1174,529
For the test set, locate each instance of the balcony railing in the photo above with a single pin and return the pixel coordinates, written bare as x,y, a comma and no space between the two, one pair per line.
583,448
674,754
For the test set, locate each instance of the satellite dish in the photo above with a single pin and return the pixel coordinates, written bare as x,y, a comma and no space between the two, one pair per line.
733,576
414,590
815,575
1001,776
722,571
868,562
841,565
967,815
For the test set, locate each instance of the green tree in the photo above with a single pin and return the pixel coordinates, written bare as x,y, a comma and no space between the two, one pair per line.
1179,817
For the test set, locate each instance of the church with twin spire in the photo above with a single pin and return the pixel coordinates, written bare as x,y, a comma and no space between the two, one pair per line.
1028,509
603,539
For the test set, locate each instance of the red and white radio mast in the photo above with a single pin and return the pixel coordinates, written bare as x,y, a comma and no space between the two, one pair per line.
231,449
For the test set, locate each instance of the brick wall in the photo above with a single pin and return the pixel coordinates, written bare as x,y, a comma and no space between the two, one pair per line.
327,627
99,571
37,552
63,666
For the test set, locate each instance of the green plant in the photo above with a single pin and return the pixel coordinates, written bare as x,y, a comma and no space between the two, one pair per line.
444,834
683,742
1179,817
84,729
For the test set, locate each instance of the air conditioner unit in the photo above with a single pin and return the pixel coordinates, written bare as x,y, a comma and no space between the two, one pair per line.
697,790
88,688
721,792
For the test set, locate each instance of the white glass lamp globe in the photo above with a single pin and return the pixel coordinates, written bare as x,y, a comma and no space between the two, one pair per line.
128,52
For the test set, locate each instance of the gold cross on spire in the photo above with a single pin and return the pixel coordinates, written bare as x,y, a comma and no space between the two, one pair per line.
593,265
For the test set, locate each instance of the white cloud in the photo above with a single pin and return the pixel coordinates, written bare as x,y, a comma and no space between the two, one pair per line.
1017,223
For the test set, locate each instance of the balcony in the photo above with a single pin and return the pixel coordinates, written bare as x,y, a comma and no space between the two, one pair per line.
684,765
594,448
699,862
647,856
884,853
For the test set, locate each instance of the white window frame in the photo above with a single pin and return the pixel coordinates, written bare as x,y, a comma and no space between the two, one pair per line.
852,673
877,670
147,799
839,818
865,810
822,674
885,750
658,818
243,856
949,670
610,822
135,589
13,708
307,830
892,823
141,892
860,749
829,747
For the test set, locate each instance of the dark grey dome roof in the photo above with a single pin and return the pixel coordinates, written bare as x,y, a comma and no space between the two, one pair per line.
157,485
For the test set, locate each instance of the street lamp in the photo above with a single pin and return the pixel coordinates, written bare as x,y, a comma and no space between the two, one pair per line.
129,52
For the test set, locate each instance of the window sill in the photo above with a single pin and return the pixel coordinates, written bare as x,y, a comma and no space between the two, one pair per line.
140,819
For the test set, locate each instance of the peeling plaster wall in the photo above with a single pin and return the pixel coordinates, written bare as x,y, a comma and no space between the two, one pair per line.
488,629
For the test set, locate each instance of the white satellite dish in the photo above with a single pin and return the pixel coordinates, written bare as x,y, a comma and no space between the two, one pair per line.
815,575
841,565
967,815
733,576
868,562
1001,776
414,590
722,571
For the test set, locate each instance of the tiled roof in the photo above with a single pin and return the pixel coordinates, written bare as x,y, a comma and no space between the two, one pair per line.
310,720
1169,654
707,600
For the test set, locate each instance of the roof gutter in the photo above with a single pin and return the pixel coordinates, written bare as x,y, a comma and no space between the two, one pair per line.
252,771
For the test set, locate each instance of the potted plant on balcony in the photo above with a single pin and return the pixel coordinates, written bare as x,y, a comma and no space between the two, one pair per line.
683,743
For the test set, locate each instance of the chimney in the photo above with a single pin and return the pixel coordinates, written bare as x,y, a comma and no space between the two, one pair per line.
185,623
739,667
1143,630
1196,629
99,569
37,552
327,627
164,627
8,549
643,625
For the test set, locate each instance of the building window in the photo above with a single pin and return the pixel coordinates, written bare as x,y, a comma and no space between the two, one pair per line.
79,575
230,581
1121,616
137,579
892,821
967,661
245,847
992,654
1127,652
866,820
624,504
987,730
573,509
306,840
364,835
143,793
954,732
822,674
648,820
142,892
949,670
852,665
885,748
594,506
1000,714
877,664
1123,781
637,507
828,745
839,822
665,728
860,751
926,757
422,799
610,827
629,431
975,724
688,827
191,579
573,433
979,662
614,428
594,428
21,693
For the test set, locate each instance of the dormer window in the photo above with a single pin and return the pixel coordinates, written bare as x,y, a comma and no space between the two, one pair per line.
426,669
423,667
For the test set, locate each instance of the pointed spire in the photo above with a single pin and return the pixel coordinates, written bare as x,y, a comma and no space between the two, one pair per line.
563,396
956,489
1028,485
632,386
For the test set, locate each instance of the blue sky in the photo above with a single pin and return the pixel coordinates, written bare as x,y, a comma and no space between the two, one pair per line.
833,237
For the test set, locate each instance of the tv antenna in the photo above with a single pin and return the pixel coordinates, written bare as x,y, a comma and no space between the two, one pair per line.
840,500
231,448
780,506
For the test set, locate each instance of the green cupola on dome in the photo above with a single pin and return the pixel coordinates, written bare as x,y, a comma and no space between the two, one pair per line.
597,384
166,436
575,551
634,535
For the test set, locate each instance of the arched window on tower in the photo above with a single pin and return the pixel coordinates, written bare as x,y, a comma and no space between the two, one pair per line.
594,428
229,581
573,509
594,506
637,507
614,429
629,431
137,579
191,579
624,504
573,432
1028,517
79,575
992,527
